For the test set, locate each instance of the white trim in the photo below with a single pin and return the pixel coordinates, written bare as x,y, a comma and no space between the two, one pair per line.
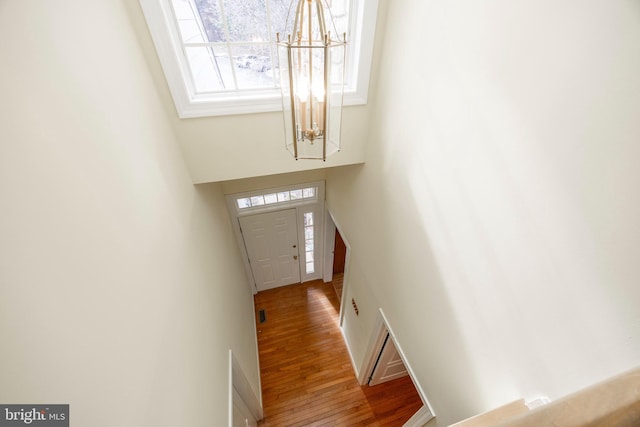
420,418
373,349
347,270
239,383
159,17
230,390
235,225
332,223
319,197
361,54
353,361
380,329
329,245
255,334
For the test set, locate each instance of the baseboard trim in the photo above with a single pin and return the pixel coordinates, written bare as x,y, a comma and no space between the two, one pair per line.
420,418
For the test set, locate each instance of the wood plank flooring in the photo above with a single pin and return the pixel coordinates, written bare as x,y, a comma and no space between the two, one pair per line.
307,377
337,284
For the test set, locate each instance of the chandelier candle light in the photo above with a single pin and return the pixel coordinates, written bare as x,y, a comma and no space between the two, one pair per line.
312,80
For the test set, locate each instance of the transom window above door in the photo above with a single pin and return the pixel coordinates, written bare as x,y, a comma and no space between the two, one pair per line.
277,198
219,56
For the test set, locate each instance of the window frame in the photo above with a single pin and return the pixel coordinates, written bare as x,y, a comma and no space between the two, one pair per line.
167,41
277,205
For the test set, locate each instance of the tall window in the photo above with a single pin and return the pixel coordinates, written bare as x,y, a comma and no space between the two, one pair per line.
219,56
228,44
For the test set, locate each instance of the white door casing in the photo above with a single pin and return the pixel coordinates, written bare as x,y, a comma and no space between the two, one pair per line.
381,329
242,416
271,240
245,407
389,366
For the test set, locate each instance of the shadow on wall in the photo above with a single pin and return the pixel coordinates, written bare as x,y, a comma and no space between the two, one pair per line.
395,265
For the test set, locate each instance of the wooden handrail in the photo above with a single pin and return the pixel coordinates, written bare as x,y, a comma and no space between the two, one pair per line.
612,403
495,416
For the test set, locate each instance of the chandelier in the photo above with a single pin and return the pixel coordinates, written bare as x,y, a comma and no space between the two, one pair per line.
311,59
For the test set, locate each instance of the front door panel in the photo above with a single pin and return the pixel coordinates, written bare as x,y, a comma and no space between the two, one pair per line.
271,240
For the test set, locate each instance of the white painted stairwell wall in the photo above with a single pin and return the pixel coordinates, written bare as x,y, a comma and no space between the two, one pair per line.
121,288
496,218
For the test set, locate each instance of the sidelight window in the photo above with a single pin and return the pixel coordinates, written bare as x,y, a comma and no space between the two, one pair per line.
309,242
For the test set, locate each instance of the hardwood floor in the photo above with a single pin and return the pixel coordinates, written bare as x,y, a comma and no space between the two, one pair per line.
307,377
337,284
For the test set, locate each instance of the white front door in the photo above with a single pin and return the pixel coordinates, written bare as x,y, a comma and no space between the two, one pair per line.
271,240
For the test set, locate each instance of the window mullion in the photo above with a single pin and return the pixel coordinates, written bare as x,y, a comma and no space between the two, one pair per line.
270,33
203,34
225,25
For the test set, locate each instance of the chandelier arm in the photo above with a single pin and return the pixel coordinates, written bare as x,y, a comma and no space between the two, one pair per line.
323,27
298,17
293,103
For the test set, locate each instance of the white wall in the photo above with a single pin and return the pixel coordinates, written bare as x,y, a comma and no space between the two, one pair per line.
496,218
235,147
121,288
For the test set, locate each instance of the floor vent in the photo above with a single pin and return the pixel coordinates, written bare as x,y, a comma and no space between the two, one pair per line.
263,317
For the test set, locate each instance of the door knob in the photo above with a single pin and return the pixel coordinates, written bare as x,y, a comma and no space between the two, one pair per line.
295,257
295,246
